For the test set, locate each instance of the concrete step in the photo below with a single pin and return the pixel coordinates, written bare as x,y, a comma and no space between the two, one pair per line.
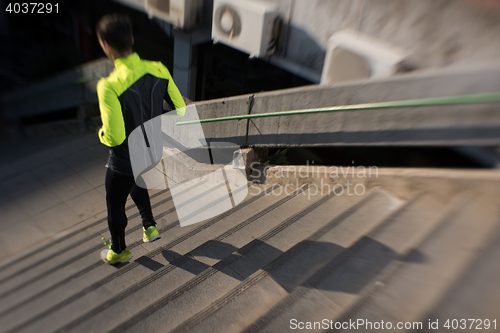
70,240
61,268
70,257
72,301
425,276
347,219
47,289
212,282
279,255
93,227
343,281
472,296
148,289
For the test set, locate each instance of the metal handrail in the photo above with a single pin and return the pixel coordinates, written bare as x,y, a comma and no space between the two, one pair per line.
448,100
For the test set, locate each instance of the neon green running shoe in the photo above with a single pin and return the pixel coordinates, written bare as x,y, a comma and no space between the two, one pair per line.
149,235
111,257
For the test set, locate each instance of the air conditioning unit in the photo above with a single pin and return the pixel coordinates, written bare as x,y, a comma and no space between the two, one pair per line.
353,56
184,14
246,25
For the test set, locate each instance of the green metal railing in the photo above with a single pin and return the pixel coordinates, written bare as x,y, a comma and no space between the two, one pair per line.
448,100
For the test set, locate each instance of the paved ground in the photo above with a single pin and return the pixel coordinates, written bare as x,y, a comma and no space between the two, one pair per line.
47,187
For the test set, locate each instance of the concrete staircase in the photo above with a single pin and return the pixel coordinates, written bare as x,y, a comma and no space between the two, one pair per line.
281,255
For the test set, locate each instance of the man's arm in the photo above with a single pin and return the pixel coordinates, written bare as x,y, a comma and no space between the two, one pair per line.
174,98
112,132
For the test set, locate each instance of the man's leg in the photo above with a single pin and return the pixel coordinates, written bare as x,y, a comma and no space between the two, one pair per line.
141,199
117,190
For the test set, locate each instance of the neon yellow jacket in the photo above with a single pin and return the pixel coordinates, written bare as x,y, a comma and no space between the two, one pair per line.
131,95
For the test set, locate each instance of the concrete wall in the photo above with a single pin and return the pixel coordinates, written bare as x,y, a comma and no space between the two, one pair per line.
436,32
452,125
59,92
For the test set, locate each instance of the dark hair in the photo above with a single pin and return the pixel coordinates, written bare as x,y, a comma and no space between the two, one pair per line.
116,30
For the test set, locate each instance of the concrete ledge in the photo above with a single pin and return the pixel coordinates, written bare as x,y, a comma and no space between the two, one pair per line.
400,181
450,125
59,92
194,165
250,157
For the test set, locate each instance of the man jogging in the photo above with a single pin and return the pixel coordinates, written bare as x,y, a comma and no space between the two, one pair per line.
130,96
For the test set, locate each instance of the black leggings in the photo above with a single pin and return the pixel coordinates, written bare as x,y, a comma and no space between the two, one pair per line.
117,190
